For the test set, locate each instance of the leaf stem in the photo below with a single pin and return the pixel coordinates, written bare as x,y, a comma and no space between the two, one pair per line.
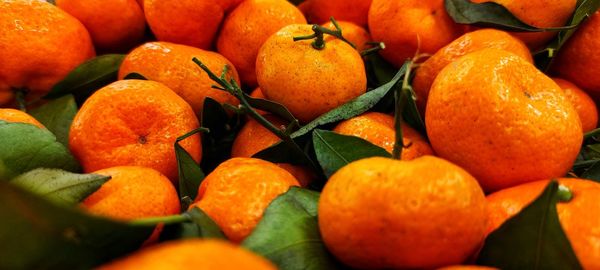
378,47
319,32
174,219
401,95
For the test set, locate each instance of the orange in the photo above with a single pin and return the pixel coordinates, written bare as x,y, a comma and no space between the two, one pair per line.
39,45
378,128
114,25
238,191
16,116
578,217
309,82
494,114
200,254
248,27
578,59
380,213
172,65
319,11
467,43
353,33
408,27
538,13
584,104
188,22
229,5
253,138
133,122
467,267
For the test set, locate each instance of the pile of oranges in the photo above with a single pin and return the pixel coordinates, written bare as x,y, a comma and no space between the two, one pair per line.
497,128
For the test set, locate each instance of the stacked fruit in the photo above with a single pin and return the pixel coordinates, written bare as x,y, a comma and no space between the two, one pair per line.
385,134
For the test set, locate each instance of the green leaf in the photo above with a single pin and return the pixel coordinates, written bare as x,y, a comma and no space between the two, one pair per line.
583,10
59,186
489,14
200,225
270,106
190,173
335,151
592,172
24,147
379,71
88,77
288,234
533,239
36,234
57,115
135,76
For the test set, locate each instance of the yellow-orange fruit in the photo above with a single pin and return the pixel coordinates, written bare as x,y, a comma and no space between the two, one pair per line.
353,33
584,104
16,116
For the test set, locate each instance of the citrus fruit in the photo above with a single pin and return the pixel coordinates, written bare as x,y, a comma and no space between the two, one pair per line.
319,11
309,81
378,128
408,27
578,217
248,26
494,114
380,213
133,122
16,116
199,254
353,33
114,25
238,191
172,65
34,36
584,104
467,43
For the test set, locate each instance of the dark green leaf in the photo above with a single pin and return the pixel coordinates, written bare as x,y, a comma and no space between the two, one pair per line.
270,106
59,186
489,14
57,115
288,234
36,234
24,147
216,145
335,151
200,225
592,172
134,76
379,71
590,134
532,239
88,77
190,173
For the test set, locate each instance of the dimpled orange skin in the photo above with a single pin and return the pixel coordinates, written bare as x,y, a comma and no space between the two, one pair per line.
16,116
380,213
133,122
430,27
356,11
172,65
114,25
229,5
494,114
577,61
201,254
378,128
188,22
248,26
253,138
467,43
309,82
238,191
584,104
538,13
39,45
353,33
578,217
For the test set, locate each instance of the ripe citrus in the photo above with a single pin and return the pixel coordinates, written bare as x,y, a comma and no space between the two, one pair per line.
578,217
467,267
308,81
378,128
584,104
353,33
319,11
380,213
238,191
189,22
248,27
467,43
115,25
133,122
172,65
16,116
494,114
198,254
39,45
410,26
